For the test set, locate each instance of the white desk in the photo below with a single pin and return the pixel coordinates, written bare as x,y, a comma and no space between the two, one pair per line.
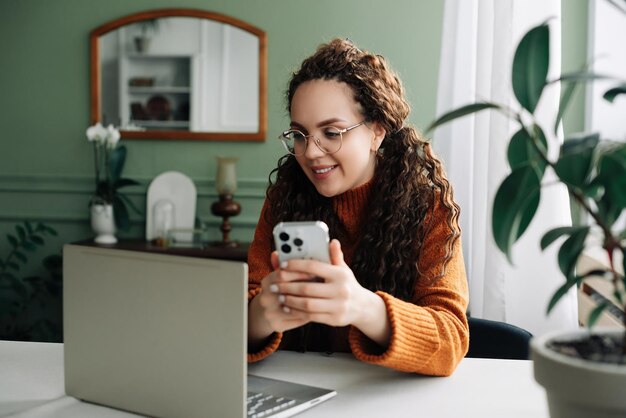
31,385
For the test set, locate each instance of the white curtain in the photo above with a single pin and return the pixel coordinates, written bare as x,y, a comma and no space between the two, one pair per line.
478,44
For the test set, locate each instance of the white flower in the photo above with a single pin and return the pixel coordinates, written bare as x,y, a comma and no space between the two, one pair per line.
113,136
97,133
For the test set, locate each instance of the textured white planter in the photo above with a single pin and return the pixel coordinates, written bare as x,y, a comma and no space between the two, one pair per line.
578,388
103,223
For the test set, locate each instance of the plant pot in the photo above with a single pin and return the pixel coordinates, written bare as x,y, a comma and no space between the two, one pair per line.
578,388
103,223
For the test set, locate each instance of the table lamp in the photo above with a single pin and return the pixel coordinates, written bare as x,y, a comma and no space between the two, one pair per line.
226,207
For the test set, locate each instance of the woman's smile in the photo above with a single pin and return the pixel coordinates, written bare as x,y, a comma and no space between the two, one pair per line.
322,172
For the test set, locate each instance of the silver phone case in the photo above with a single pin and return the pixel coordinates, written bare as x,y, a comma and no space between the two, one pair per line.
302,240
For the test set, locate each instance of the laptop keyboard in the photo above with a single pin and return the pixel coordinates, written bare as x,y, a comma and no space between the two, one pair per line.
265,405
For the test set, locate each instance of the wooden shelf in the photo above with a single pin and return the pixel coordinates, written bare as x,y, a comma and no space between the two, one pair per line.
209,250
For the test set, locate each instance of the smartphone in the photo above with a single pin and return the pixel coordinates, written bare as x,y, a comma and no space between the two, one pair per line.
307,240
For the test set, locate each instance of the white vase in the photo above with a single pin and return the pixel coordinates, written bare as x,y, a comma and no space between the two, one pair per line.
103,223
578,388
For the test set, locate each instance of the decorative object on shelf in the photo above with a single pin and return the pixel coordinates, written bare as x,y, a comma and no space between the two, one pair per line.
103,223
584,373
170,204
141,81
226,207
142,40
109,161
159,108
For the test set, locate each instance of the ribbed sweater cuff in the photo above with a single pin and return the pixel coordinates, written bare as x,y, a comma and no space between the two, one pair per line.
272,345
414,337
273,341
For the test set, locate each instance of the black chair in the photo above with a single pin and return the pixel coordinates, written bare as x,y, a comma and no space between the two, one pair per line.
494,339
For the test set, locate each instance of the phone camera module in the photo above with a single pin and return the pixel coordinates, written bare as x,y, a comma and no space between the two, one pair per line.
283,236
285,248
298,242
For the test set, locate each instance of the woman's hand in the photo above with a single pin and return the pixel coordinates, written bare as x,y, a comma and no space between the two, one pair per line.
338,300
266,311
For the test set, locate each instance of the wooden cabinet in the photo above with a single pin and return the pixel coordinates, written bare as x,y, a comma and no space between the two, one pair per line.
239,253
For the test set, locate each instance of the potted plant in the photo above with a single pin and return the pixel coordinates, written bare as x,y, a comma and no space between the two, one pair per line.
30,307
584,372
108,205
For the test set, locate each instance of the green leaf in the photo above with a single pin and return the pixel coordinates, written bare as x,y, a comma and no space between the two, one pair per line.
569,253
130,204
21,232
523,149
117,157
120,214
530,66
615,185
51,231
29,246
514,206
611,94
572,81
561,291
460,112
21,256
124,182
574,164
552,235
29,227
594,315
36,239
12,240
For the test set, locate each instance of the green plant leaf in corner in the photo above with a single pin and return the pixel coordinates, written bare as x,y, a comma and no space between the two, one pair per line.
569,253
514,206
574,164
594,315
117,157
571,81
460,112
12,240
611,94
522,150
561,291
530,66
552,235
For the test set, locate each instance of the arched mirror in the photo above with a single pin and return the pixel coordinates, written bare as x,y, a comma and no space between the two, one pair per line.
180,74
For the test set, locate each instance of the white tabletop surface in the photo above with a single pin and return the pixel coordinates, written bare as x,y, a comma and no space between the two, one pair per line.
31,385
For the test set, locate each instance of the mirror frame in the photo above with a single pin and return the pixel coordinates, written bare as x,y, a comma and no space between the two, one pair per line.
96,76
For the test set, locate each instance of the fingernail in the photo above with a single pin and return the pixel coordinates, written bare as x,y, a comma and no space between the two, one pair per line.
283,265
286,309
274,288
281,298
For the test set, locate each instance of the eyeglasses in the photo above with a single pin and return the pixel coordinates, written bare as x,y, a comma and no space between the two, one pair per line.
295,141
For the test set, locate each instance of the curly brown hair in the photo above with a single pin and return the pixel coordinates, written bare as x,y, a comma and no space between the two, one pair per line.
407,170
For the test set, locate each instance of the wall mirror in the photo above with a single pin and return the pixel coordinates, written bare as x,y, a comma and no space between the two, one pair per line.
180,74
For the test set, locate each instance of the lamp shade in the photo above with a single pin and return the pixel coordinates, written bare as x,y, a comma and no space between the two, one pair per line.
226,179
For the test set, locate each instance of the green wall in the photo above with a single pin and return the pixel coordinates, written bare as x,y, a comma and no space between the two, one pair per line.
46,167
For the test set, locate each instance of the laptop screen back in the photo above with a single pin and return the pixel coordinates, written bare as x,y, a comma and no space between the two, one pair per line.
157,334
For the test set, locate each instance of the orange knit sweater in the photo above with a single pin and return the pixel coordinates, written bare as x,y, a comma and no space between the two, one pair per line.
429,334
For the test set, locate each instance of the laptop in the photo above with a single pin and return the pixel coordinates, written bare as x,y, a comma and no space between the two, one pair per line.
165,336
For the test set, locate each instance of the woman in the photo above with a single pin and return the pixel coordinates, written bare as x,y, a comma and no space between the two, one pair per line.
395,292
